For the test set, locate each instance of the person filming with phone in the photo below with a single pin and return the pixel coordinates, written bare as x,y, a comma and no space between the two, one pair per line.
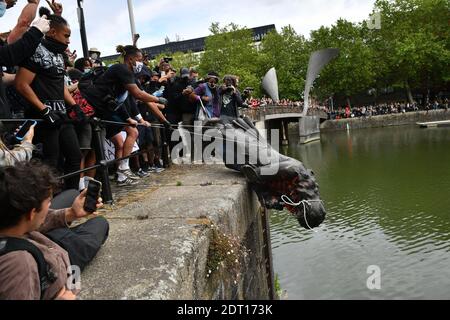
17,147
38,250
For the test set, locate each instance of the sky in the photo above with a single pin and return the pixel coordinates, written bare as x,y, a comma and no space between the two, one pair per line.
107,21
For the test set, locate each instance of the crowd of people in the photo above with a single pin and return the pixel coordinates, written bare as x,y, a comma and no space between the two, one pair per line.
384,109
67,98
256,103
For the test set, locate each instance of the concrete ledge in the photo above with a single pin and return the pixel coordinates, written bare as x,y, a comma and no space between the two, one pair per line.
158,246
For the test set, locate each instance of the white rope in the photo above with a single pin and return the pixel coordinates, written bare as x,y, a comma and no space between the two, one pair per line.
291,203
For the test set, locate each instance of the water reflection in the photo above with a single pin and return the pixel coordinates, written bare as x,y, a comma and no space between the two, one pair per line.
387,197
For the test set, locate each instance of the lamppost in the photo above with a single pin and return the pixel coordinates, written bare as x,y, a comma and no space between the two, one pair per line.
82,29
132,23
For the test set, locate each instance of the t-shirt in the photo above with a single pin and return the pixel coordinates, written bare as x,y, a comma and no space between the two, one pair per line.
112,83
48,84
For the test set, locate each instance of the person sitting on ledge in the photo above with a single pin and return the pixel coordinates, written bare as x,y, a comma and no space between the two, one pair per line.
34,266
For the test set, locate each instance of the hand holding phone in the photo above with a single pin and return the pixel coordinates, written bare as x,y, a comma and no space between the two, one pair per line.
24,129
92,196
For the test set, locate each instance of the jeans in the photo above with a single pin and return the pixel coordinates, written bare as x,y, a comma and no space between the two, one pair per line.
83,242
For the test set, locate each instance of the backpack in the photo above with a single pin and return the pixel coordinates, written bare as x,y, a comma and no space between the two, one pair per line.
89,79
46,276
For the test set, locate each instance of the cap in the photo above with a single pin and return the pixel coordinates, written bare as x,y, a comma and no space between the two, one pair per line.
184,73
212,75
94,50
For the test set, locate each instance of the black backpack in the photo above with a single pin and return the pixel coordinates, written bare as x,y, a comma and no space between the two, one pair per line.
46,276
89,79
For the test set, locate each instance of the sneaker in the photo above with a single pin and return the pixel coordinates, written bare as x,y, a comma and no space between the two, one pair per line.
157,170
127,182
142,174
129,174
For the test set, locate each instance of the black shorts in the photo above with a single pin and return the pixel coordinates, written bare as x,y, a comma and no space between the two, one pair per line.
112,129
146,137
84,134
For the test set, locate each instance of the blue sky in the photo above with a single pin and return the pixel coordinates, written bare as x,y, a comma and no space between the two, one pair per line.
108,22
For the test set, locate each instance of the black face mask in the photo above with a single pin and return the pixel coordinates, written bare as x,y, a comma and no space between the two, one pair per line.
54,46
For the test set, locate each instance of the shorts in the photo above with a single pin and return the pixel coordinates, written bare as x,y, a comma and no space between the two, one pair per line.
84,134
111,129
145,137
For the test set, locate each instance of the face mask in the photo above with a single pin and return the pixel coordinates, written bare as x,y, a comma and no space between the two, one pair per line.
54,46
2,9
138,67
87,71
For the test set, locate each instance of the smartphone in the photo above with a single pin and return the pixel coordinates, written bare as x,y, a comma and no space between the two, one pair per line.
93,193
20,135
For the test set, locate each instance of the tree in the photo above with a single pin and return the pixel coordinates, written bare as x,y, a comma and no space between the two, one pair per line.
413,43
288,53
181,59
353,71
230,50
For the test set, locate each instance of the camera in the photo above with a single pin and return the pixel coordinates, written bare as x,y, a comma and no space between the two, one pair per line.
167,59
228,89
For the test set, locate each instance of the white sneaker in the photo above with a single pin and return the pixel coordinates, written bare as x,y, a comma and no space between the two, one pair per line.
129,174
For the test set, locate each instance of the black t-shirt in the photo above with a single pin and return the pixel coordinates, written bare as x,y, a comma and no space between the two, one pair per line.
111,83
48,84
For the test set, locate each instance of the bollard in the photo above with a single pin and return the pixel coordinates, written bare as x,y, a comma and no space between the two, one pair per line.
101,160
165,152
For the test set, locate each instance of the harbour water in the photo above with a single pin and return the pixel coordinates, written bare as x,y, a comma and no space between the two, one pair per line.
387,193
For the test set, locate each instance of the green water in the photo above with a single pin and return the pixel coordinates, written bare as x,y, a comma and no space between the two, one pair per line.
387,193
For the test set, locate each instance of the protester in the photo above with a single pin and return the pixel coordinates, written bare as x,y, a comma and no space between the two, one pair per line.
230,99
209,93
40,81
27,226
13,54
108,95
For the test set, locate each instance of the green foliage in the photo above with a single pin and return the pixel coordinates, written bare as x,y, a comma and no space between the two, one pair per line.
353,70
230,50
226,254
413,44
180,59
288,53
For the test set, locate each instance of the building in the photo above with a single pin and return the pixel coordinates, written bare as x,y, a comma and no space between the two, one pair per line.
194,45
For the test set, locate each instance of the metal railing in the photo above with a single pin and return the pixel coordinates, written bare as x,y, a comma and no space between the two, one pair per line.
103,165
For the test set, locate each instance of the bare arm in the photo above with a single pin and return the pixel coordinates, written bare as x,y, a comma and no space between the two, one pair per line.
24,79
156,111
138,94
25,19
56,7
68,97
8,79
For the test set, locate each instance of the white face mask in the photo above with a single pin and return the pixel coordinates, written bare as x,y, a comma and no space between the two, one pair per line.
138,67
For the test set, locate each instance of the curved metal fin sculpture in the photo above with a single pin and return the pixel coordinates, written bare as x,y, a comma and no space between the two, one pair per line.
270,85
318,61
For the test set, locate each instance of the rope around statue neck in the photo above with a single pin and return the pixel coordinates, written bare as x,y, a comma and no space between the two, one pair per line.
291,203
